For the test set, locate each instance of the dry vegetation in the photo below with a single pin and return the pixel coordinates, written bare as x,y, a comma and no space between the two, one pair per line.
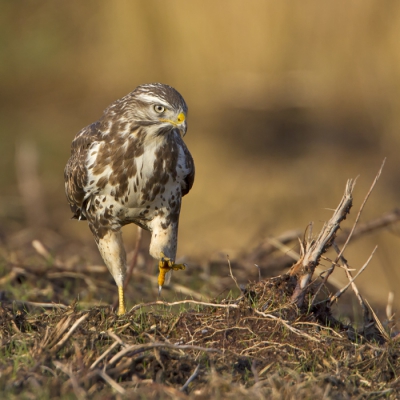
277,339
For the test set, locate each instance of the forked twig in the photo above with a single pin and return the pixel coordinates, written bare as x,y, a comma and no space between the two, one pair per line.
353,285
352,279
339,256
361,209
313,251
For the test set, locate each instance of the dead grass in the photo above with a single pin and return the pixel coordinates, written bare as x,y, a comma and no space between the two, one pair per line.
258,344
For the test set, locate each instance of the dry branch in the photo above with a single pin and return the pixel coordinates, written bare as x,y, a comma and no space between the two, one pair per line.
42,305
353,285
165,303
309,261
351,280
360,210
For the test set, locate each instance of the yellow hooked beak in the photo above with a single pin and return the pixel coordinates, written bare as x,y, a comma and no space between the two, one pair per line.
179,121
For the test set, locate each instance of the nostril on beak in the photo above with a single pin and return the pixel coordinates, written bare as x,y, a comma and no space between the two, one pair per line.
181,118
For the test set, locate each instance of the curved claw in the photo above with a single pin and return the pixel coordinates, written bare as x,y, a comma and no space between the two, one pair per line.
165,265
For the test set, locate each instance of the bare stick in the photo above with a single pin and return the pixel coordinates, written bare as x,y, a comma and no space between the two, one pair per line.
267,246
231,274
59,330
191,379
259,272
284,249
105,354
116,386
117,342
61,343
353,285
165,303
135,349
43,305
315,249
341,291
116,337
389,307
350,235
286,324
360,210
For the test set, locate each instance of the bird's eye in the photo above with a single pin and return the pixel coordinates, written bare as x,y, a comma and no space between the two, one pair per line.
159,109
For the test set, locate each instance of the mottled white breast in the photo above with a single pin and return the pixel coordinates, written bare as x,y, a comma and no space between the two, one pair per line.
156,187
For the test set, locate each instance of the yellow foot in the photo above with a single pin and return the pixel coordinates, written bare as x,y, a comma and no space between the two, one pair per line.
121,308
165,265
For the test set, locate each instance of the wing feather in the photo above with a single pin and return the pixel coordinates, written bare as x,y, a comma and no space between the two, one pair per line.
189,179
75,172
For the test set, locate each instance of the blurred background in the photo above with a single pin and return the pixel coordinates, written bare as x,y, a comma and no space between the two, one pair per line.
287,100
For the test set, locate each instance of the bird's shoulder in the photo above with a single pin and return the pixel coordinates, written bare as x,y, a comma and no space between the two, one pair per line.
85,137
75,172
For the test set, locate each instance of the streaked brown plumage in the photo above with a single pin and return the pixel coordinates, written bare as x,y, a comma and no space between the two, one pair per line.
132,166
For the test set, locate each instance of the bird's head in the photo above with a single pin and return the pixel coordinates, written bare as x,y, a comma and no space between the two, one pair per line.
158,107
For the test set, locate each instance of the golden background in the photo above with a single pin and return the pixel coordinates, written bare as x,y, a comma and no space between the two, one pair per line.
287,100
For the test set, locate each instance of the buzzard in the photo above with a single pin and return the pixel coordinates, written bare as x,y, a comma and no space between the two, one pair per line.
132,166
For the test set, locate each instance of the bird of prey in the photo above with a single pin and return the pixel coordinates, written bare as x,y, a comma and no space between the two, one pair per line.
132,166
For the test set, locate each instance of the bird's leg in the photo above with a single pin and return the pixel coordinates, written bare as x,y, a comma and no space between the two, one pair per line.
121,296
112,250
165,265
